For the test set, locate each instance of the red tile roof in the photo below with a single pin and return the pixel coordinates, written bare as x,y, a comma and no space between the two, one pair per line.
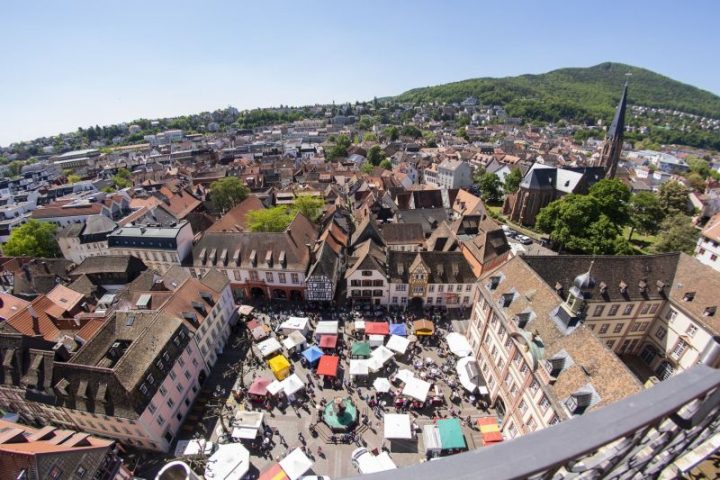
22,321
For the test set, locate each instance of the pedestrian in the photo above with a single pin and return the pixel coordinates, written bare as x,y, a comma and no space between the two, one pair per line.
320,452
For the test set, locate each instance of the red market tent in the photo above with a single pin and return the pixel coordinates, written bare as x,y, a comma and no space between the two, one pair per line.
259,386
328,341
328,365
377,328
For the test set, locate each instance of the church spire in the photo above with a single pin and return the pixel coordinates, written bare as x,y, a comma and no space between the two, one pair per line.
614,141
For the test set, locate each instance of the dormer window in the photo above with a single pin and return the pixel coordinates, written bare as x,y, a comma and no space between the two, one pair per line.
710,311
151,379
494,282
623,287
603,288
199,307
578,402
642,286
689,296
660,286
522,319
506,299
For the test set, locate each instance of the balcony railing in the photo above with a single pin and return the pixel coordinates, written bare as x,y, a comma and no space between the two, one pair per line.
641,436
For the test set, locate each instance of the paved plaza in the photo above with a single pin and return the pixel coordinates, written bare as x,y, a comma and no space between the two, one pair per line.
298,424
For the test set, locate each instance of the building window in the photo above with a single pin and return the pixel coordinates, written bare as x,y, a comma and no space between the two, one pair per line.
628,309
160,420
429,300
660,333
173,375
654,308
679,349
604,328
644,326
610,344
295,278
152,407
544,403
644,310
170,403
598,310
523,406
531,423
268,277
180,388
691,330
613,310
635,327
534,386
618,327
441,288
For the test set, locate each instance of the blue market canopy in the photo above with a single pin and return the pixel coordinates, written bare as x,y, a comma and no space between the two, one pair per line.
313,354
398,329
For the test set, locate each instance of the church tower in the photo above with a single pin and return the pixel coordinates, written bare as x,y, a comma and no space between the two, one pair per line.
614,141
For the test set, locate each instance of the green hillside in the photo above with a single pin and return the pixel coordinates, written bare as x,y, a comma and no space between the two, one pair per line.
582,94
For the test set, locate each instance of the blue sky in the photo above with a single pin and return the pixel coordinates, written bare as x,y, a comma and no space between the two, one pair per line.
80,63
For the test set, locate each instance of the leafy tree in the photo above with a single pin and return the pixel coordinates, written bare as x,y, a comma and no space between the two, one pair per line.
391,133
375,155
342,143
512,180
490,187
386,164
673,198
677,234
696,181
411,131
367,168
613,197
369,137
33,239
568,220
15,167
311,207
228,192
73,178
275,219
462,133
646,213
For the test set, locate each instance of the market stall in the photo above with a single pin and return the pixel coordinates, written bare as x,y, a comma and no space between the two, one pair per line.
377,328
376,340
294,341
423,328
279,366
398,344
489,430
275,472
328,341
398,329
230,460
360,350
295,464
417,389
259,331
268,347
258,389
326,327
246,425
295,324
469,375
382,385
313,354
328,365
451,435
458,344
397,430
379,357
358,368
291,385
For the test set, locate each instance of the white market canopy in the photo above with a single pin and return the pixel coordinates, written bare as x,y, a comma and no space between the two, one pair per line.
397,426
274,387
382,385
359,367
376,340
295,464
231,460
404,375
469,375
269,346
292,384
326,327
359,324
193,447
431,438
458,344
398,344
379,357
294,339
295,324
417,389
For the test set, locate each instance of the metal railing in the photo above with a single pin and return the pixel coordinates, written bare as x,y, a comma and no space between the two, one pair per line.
638,437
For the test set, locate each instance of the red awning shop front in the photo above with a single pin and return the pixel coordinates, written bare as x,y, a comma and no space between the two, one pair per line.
328,341
377,328
328,365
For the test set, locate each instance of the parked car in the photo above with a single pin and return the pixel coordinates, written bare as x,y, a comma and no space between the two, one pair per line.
524,239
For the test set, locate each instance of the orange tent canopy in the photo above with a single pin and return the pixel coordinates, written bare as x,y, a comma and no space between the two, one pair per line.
328,365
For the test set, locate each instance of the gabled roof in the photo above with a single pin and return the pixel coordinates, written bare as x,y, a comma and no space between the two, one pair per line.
443,267
326,264
367,230
367,256
24,320
403,233
235,220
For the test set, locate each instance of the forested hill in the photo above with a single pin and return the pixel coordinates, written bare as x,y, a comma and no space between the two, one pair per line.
582,94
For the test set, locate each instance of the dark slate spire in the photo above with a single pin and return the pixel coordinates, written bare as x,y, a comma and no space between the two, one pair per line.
618,124
613,143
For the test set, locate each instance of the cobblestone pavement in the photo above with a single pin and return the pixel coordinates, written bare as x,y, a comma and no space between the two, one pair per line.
335,460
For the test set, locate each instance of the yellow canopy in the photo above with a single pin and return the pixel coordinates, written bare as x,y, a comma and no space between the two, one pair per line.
280,366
